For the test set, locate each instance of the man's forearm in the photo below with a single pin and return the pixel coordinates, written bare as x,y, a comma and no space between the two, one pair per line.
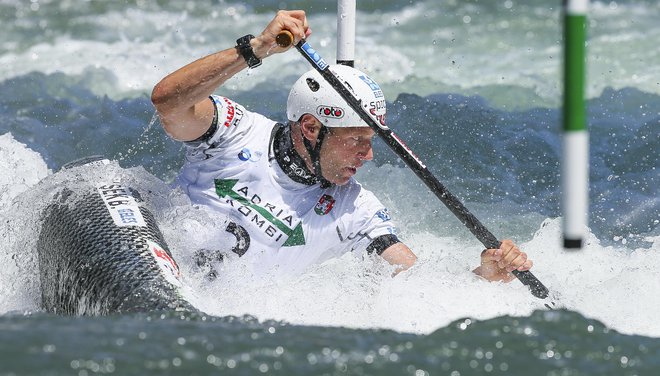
194,82
181,97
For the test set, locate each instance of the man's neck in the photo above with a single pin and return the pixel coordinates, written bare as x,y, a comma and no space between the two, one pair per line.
289,158
298,145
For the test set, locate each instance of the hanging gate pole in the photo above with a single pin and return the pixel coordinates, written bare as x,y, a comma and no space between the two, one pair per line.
575,162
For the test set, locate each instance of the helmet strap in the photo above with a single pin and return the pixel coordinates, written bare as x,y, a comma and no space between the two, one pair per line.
315,155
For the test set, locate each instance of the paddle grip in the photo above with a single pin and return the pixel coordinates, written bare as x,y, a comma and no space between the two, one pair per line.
284,38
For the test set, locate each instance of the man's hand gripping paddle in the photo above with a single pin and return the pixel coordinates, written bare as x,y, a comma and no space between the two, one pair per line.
285,39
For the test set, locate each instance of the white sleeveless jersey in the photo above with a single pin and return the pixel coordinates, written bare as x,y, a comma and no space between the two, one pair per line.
290,225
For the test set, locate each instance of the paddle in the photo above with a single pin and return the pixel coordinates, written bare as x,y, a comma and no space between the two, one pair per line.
285,38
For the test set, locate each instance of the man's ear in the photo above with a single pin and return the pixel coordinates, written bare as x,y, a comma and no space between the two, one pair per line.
310,127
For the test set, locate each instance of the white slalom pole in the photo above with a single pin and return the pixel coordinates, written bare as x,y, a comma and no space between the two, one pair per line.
346,32
575,163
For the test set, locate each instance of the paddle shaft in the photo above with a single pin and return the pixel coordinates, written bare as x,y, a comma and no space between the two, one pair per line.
396,144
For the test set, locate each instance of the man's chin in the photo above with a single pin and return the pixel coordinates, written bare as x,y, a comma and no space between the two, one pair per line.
341,180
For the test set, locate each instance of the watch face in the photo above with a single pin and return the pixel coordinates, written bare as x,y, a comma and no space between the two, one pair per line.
244,41
243,44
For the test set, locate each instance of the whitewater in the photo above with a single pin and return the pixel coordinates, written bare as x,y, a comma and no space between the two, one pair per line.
481,84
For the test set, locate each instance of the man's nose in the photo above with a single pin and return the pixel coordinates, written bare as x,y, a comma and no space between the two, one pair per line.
367,153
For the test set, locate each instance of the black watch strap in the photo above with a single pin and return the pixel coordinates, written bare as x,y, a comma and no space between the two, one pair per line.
244,48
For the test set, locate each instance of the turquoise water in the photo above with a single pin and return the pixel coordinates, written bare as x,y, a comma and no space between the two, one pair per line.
473,87
545,343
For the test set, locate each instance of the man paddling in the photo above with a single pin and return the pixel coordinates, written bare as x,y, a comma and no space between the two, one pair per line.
288,189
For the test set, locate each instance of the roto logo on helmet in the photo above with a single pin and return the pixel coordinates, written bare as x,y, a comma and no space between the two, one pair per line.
330,112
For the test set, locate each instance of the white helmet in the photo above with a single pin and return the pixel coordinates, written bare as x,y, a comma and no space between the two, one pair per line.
312,94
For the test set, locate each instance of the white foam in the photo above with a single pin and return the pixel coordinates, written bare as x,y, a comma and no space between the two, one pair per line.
443,53
604,283
612,284
20,168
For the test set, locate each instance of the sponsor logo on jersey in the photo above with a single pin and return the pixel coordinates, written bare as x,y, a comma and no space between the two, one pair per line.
351,236
300,171
324,205
234,113
247,155
383,214
293,167
275,222
330,112
122,206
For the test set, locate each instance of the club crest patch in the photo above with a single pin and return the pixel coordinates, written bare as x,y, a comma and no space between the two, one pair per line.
324,205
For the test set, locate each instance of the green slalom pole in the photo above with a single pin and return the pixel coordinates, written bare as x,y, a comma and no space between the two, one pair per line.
575,164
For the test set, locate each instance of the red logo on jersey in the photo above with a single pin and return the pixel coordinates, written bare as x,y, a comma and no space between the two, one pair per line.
234,114
324,205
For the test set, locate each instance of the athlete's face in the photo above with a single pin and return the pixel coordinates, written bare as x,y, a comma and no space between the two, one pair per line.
344,150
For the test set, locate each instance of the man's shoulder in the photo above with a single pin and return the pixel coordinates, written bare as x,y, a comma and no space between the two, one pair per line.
234,120
236,129
231,113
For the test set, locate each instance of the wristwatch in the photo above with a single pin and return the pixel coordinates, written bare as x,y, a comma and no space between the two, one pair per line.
244,48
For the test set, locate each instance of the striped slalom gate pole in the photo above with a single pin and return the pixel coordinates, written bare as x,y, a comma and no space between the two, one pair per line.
346,32
575,163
